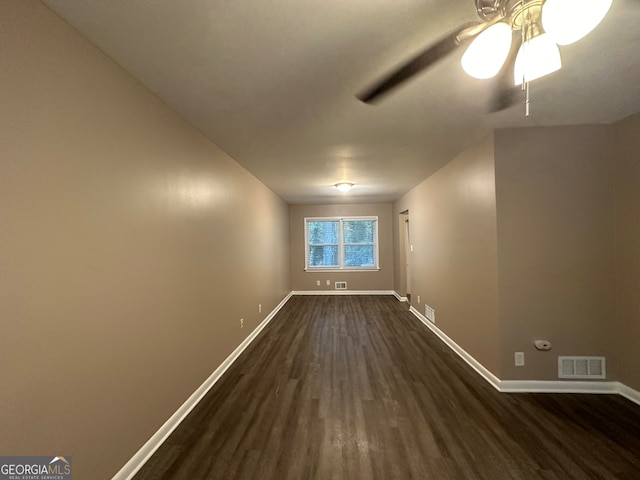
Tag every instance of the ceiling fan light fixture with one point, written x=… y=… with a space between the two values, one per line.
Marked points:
x=567 y=21
x=344 y=187
x=487 y=53
x=536 y=58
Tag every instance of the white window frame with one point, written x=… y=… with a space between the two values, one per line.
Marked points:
x=341 y=267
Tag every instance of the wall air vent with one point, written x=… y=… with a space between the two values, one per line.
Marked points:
x=581 y=367
x=430 y=313
x=341 y=285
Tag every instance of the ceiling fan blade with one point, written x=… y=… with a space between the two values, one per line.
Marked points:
x=505 y=93
x=420 y=62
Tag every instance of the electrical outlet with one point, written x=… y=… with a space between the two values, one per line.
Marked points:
x=259 y=308
x=242 y=323
x=317 y=283
x=328 y=282
x=519 y=359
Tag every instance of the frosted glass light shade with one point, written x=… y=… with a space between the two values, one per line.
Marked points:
x=536 y=58
x=488 y=51
x=567 y=21
x=344 y=186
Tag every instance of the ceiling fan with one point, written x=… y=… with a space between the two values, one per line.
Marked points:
x=516 y=40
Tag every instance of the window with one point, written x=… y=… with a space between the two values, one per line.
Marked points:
x=341 y=243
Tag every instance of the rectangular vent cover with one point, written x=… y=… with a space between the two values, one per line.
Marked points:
x=341 y=285
x=581 y=367
x=430 y=313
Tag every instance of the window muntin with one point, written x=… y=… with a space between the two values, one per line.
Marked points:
x=341 y=243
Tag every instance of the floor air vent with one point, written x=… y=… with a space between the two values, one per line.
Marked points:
x=341 y=285
x=581 y=367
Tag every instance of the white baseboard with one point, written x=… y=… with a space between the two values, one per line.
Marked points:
x=563 y=386
x=558 y=386
x=531 y=386
x=400 y=297
x=473 y=363
x=629 y=393
x=343 y=292
x=142 y=456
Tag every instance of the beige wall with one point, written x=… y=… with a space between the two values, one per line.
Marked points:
x=627 y=181
x=555 y=246
x=130 y=247
x=566 y=209
x=307 y=281
x=452 y=217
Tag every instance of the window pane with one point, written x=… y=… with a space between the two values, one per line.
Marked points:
x=358 y=231
x=358 y=256
x=322 y=232
x=323 y=256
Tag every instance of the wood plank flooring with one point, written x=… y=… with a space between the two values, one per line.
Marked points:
x=355 y=387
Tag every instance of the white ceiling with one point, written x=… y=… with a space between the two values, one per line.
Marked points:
x=272 y=82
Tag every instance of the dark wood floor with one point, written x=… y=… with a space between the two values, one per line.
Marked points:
x=355 y=387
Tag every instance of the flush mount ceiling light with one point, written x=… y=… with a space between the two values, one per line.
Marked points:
x=344 y=186
x=494 y=45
